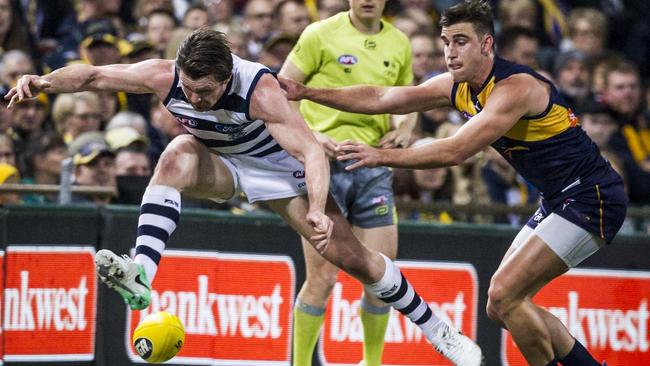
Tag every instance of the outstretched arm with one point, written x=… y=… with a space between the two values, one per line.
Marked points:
x=371 y=99
x=291 y=132
x=151 y=76
x=500 y=114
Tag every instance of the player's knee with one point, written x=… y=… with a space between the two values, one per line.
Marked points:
x=356 y=267
x=492 y=312
x=178 y=160
x=499 y=301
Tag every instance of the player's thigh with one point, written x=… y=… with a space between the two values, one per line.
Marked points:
x=215 y=178
x=381 y=238
x=525 y=271
x=517 y=242
x=209 y=175
x=343 y=248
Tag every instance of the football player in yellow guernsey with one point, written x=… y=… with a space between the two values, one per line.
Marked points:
x=350 y=48
x=521 y=115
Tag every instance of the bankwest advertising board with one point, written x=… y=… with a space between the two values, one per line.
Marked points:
x=236 y=308
x=49 y=303
x=450 y=289
x=606 y=310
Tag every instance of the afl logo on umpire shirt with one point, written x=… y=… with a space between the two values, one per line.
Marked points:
x=347 y=60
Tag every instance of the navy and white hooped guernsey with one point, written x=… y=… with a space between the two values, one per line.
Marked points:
x=227 y=128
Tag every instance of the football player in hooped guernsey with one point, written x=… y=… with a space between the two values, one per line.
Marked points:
x=244 y=136
x=520 y=114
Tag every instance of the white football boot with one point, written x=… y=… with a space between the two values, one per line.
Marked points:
x=457 y=347
x=125 y=277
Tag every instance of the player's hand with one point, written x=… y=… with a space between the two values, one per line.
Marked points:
x=28 y=86
x=395 y=139
x=328 y=145
x=353 y=150
x=323 y=226
x=292 y=89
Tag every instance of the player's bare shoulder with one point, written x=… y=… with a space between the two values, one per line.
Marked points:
x=266 y=98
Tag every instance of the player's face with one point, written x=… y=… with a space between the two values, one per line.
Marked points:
x=202 y=93
x=367 y=9
x=464 y=51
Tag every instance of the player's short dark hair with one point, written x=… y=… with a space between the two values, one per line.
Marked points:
x=205 y=52
x=477 y=12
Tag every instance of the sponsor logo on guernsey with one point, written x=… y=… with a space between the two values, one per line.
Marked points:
x=299 y=174
x=186 y=121
x=347 y=60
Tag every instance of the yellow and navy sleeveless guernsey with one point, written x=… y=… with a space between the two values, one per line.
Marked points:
x=553 y=153
x=332 y=53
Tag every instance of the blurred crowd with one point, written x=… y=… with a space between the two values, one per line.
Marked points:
x=595 y=51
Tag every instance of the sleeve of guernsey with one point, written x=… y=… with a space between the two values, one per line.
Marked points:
x=406 y=71
x=307 y=51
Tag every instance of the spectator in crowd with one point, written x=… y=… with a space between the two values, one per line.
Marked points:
x=291 y=18
x=600 y=65
x=327 y=8
x=587 y=31
x=258 y=24
x=144 y=8
x=164 y=121
x=41 y=164
x=160 y=27
x=572 y=78
x=14 y=32
x=407 y=25
x=100 y=47
x=222 y=17
x=7 y=150
x=196 y=16
x=9 y=175
x=128 y=119
x=76 y=113
x=622 y=94
x=14 y=64
x=519 y=45
x=423 y=48
x=503 y=185
x=126 y=137
x=132 y=162
x=94 y=165
x=275 y=51
x=28 y=117
x=433 y=185
x=238 y=44
x=141 y=49
x=599 y=123
x=518 y=13
x=5 y=113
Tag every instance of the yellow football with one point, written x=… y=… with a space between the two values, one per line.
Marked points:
x=159 y=337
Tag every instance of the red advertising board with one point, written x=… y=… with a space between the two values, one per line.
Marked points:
x=236 y=308
x=49 y=303
x=606 y=310
x=451 y=289
x=2 y=282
